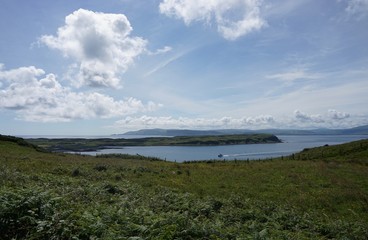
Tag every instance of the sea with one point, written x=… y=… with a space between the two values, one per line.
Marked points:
x=290 y=144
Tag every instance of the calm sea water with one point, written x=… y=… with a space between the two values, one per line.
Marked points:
x=290 y=144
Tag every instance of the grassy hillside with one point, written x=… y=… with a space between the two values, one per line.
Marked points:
x=320 y=193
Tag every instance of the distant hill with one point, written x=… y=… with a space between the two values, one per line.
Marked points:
x=172 y=132
x=361 y=130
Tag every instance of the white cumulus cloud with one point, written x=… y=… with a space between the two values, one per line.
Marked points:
x=298 y=120
x=234 y=18
x=304 y=117
x=330 y=119
x=336 y=115
x=195 y=123
x=36 y=96
x=101 y=45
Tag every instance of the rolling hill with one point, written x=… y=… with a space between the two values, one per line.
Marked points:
x=361 y=130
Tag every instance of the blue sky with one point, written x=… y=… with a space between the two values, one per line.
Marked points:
x=92 y=67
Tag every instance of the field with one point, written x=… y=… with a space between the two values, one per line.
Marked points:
x=319 y=193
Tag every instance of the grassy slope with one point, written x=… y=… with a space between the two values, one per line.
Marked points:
x=320 y=193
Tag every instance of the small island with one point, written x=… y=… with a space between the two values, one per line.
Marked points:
x=82 y=144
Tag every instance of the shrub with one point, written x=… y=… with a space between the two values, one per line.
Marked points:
x=76 y=172
x=100 y=168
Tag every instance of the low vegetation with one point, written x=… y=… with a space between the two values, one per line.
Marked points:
x=82 y=144
x=319 y=193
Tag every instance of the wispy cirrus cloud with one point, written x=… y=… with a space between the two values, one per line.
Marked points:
x=163 y=64
x=357 y=8
x=293 y=75
x=163 y=50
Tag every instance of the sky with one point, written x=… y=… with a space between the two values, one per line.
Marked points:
x=92 y=67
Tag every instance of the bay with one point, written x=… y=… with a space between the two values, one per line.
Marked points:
x=290 y=144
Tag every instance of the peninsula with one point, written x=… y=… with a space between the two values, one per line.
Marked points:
x=82 y=144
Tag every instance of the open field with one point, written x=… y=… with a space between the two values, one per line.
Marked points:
x=319 y=193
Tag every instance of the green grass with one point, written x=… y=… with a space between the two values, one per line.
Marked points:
x=320 y=193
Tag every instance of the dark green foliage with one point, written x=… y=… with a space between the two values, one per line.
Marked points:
x=112 y=189
x=158 y=214
x=76 y=172
x=25 y=211
x=100 y=168
x=128 y=156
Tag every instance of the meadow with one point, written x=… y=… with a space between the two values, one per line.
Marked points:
x=319 y=193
